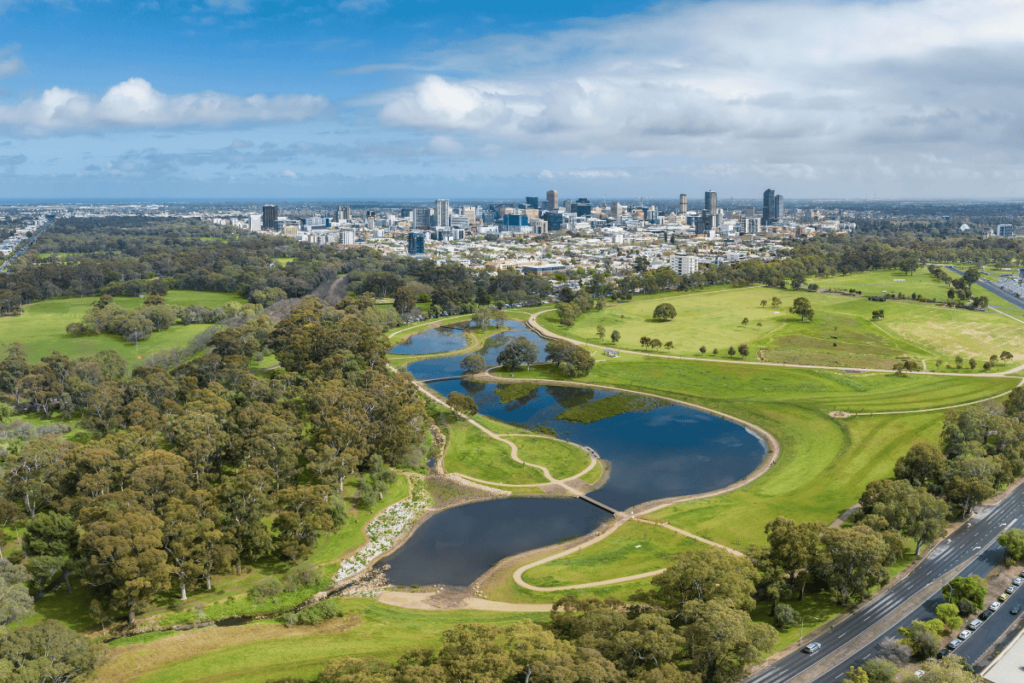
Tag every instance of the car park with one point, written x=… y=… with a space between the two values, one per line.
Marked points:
x=953 y=644
x=964 y=635
x=975 y=624
x=812 y=648
x=986 y=614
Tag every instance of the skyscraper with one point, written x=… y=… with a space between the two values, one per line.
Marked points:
x=269 y=216
x=780 y=209
x=711 y=203
x=768 y=214
x=552 y=200
x=421 y=218
x=441 y=213
x=533 y=202
x=682 y=205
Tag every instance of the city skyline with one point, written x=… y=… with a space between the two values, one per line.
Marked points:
x=250 y=99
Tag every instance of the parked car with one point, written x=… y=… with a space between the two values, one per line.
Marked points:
x=812 y=648
x=942 y=653
x=986 y=614
x=953 y=644
x=995 y=605
x=1015 y=609
x=1004 y=597
x=1018 y=581
x=1010 y=590
x=965 y=634
x=975 y=624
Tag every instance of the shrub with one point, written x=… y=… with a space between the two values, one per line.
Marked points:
x=785 y=616
x=264 y=590
x=304 y=575
x=315 y=614
x=880 y=670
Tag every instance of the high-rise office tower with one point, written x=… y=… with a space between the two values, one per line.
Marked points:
x=682 y=205
x=441 y=213
x=552 y=200
x=711 y=203
x=533 y=202
x=269 y=216
x=780 y=209
x=768 y=214
x=582 y=206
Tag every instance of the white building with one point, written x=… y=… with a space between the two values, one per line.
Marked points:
x=347 y=237
x=683 y=264
x=255 y=222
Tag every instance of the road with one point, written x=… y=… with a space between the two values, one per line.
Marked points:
x=992 y=289
x=976 y=538
x=22 y=248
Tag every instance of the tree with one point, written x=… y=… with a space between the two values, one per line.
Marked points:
x=856 y=675
x=951 y=669
x=797 y=281
x=745 y=322
x=852 y=561
x=51 y=540
x=922 y=638
x=776 y=302
x=764 y=303
x=47 y=652
x=923 y=465
x=405 y=299
x=615 y=337
x=703 y=349
x=473 y=363
x=703 y=574
x=374 y=483
x=907 y=509
x=655 y=344
x=724 y=640
x=971 y=588
x=732 y=351
x=462 y=404
x=880 y=670
x=572 y=360
x=518 y=351
x=1012 y=541
x=973 y=363
x=567 y=313
x=641 y=264
x=968 y=481
x=949 y=613
x=305 y=512
x=15 y=600
x=793 y=546
x=744 y=350
x=802 y=307
x=124 y=558
x=600 y=332
x=663 y=312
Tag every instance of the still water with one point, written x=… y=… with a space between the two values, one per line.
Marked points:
x=662 y=451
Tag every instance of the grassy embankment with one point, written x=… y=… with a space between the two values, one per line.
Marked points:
x=475 y=454
x=267 y=651
x=41 y=329
x=842 y=333
x=562 y=459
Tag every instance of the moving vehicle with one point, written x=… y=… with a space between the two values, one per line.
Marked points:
x=812 y=648
x=1015 y=609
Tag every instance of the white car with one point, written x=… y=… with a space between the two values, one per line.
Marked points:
x=1018 y=581
x=964 y=635
x=995 y=605
x=954 y=644
x=1010 y=589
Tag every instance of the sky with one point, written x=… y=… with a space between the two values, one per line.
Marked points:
x=405 y=99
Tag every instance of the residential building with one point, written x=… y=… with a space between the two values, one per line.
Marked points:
x=417 y=242
x=421 y=218
x=683 y=264
x=441 y=213
x=682 y=205
x=347 y=237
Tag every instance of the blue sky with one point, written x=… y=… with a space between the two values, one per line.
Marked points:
x=408 y=98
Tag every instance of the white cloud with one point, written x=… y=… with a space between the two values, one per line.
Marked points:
x=10 y=63
x=362 y=5
x=800 y=88
x=136 y=104
x=289 y=174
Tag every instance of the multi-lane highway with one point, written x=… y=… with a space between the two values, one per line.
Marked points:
x=992 y=289
x=976 y=538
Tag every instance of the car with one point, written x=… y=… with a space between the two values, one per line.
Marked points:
x=1015 y=609
x=986 y=614
x=995 y=605
x=964 y=635
x=812 y=648
x=1010 y=590
x=1018 y=581
x=975 y=624
x=1004 y=597
x=942 y=653
x=953 y=644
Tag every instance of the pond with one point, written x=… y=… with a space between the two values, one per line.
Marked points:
x=656 y=449
x=444 y=339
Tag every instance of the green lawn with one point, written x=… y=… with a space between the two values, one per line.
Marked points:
x=842 y=332
x=41 y=329
x=332 y=548
x=879 y=282
x=634 y=548
x=271 y=651
x=473 y=453
x=562 y=459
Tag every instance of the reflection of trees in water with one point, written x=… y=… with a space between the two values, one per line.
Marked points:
x=570 y=397
x=472 y=388
x=496 y=341
x=522 y=400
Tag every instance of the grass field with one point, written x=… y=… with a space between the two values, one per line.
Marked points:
x=879 y=282
x=634 y=548
x=842 y=333
x=562 y=459
x=267 y=651
x=473 y=453
x=41 y=329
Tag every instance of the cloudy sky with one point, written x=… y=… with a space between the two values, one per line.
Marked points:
x=423 y=98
